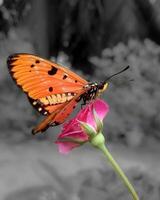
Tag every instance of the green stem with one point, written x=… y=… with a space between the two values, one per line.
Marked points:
x=119 y=171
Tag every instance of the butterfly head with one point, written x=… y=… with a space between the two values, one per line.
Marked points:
x=102 y=87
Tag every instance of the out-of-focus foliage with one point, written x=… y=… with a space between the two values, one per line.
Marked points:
x=76 y=28
x=11 y=12
x=16 y=118
x=84 y=28
x=134 y=104
x=16 y=41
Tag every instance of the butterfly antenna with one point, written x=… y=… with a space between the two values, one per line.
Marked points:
x=108 y=78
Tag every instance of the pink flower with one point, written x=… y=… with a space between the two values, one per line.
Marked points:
x=73 y=135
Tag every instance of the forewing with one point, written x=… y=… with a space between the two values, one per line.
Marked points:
x=42 y=80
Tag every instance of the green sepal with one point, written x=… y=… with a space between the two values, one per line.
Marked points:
x=89 y=130
x=99 y=123
x=98 y=140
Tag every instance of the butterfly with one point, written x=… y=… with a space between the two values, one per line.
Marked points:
x=53 y=90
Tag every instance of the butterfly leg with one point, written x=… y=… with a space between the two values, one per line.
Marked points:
x=84 y=102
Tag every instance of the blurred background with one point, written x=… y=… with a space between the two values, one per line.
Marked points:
x=94 y=38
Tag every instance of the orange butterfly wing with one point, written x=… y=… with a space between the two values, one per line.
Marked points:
x=40 y=78
x=49 y=86
x=57 y=117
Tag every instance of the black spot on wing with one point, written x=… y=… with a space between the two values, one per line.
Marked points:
x=53 y=71
x=50 y=89
x=65 y=76
x=37 y=61
x=32 y=65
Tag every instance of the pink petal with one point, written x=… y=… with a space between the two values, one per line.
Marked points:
x=101 y=108
x=77 y=135
x=72 y=125
x=82 y=115
x=73 y=130
x=86 y=114
x=65 y=146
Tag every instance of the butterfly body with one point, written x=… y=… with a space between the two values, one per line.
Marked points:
x=52 y=89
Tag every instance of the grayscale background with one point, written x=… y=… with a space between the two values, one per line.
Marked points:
x=95 y=38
